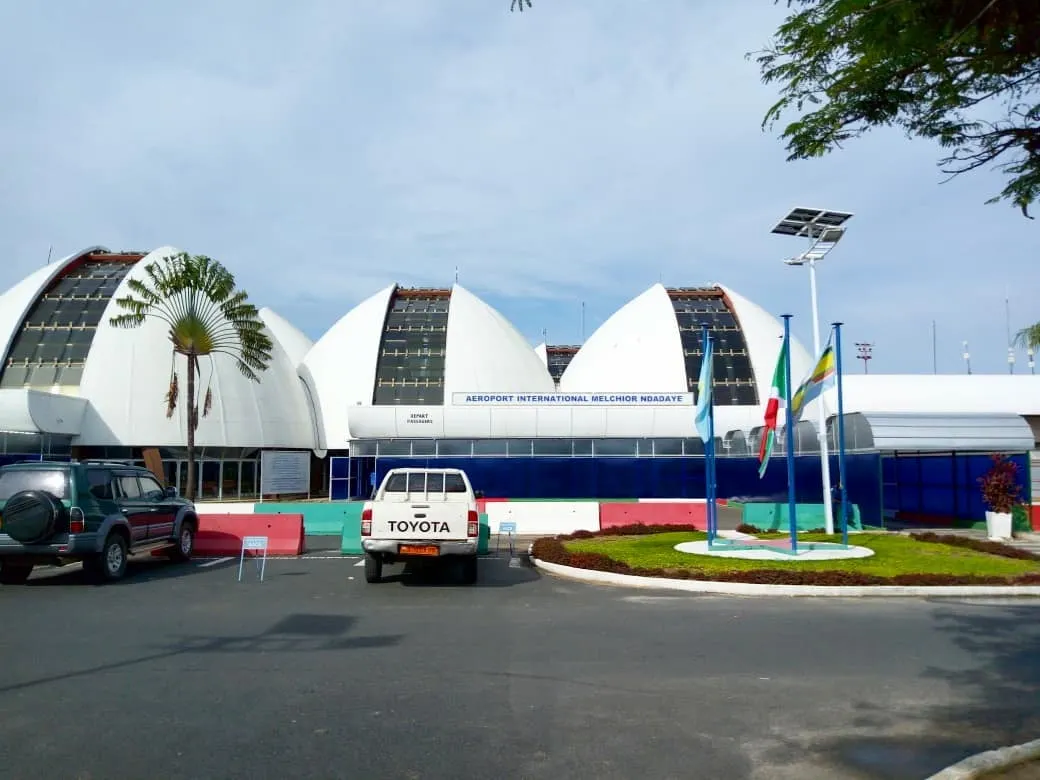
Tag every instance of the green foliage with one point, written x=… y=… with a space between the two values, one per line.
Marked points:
x=1000 y=488
x=894 y=555
x=964 y=73
x=1029 y=337
x=197 y=298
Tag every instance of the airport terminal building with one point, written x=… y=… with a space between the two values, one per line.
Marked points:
x=439 y=375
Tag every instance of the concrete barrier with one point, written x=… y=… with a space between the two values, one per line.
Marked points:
x=544 y=517
x=612 y=515
x=225 y=507
x=1035 y=516
x=320 y=518
x=350 y=541
x=221 y=535
x=774 y=517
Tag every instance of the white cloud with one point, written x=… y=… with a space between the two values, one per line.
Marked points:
x=580 y=151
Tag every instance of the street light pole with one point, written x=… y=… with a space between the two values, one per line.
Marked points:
x=824 y=229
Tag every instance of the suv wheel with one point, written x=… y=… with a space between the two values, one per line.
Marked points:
x=110 y=565
x=185 y=544
x=14 y=573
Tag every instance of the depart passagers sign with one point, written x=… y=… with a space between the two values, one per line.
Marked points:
x=572 y=399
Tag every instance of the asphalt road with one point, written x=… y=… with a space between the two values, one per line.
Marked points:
x=182 y=672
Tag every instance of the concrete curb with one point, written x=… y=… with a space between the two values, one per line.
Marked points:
x=755 y=589
x=981 y=764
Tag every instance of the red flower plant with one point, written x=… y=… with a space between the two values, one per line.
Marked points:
x=1000 y=488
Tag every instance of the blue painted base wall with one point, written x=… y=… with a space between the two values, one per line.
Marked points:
x=628 y=478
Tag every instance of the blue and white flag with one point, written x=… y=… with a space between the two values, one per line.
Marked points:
x=704 y=387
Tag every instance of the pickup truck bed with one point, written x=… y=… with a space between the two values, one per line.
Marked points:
x=425 y=515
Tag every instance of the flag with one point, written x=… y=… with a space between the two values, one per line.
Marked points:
x=704 y=386
x=776 y=392
x=822 y=377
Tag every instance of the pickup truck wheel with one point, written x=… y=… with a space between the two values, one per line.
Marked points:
x=373 y=568
x=469 y=570
x=185 y=544
x=110 y=565
x=14 y=573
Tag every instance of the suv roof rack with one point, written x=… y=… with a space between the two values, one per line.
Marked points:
x=104 y=462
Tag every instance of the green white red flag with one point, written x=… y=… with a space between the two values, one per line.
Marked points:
x=777 y=392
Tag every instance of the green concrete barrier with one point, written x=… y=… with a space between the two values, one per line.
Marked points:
x=319 y=518
x=350 y=543
x=775 y=517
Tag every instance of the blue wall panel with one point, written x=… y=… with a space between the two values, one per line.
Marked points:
x=678 y=477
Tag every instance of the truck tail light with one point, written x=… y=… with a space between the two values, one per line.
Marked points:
x=473 y=523
x=77 y=521
x=366 y=522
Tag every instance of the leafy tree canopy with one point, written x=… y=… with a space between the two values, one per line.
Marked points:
x=965 y=73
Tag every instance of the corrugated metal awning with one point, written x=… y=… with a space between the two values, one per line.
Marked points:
x=889 y=432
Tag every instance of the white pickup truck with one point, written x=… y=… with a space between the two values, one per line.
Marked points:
x=421 y=514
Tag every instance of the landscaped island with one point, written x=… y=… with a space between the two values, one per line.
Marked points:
x=899 y=559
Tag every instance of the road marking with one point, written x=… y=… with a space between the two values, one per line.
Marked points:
x=360 y=563
x=215 y=562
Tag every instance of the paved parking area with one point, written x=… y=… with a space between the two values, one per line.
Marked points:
x=183 y=672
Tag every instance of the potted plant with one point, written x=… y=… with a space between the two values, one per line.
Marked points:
x=1000 y=492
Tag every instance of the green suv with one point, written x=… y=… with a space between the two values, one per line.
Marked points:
x=91 y=511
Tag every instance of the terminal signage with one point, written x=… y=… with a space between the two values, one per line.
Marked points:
x=572 y=399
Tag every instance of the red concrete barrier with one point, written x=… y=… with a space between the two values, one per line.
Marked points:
x=222 y=534
x=655 y=513
x=1035 y=516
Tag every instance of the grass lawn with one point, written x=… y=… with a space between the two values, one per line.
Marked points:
x=894 y=554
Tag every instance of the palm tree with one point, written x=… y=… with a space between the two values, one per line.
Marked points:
x=520 y=3
x=1029 y=338
x=207 y=316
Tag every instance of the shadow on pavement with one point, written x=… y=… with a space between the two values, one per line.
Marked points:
x=999 y=693
x=492 y=573
x=299 y=633
x=142 y=569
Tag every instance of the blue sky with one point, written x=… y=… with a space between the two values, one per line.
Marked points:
x=581 y=151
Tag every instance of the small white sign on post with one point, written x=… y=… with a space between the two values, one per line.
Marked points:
x=257 y=545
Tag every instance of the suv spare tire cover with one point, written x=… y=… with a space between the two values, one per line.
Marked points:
x=32 y=515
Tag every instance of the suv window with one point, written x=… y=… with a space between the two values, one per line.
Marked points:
x=128 y=486
x=16 y=480
x=150 y=487
x=100 y=484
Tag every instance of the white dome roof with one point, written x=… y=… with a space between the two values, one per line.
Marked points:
x=763 y=333
x=542 y=353
x=127 y=373
x=484 y=353
x=639 y=348
x=292 y=340
x=636 y=350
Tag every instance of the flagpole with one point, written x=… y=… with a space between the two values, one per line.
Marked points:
x=841 y=440
x=789 y=437
x=713 y=512
x=709 y=443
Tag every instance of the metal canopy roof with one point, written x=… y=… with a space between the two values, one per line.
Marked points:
x=933 y=432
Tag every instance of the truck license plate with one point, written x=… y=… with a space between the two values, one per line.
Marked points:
x=419 y=549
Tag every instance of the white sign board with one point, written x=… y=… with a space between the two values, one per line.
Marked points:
x=285 y=471
x=572 y=399
x=257 y=544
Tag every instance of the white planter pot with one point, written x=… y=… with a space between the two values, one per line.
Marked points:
x=998 y=525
